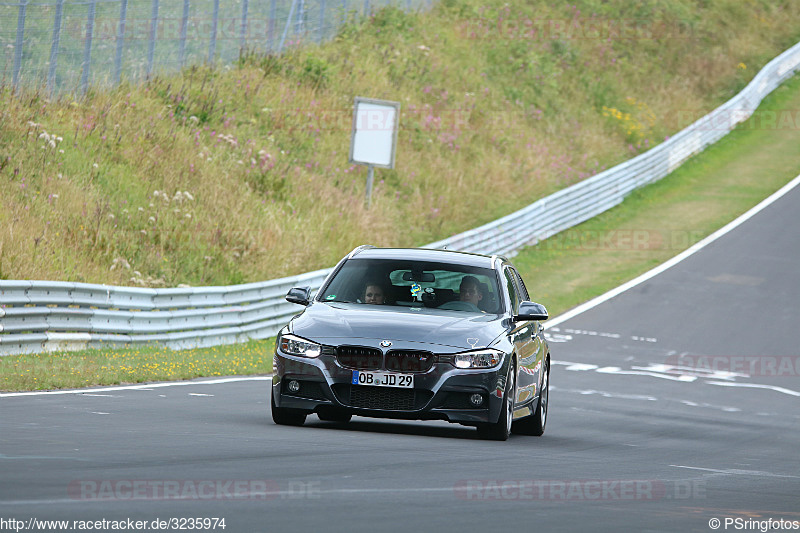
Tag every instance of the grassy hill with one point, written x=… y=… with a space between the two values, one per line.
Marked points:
x=240 y=173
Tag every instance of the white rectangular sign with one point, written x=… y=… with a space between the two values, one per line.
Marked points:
x=374 y=134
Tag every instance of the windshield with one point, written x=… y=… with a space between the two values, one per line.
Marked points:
x=406 y=283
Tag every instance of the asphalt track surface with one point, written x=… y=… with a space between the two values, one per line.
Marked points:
x=673 y=403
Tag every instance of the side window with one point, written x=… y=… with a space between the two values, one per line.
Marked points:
x=523 y=292
x=512 y=290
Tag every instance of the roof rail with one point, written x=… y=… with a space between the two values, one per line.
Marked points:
x=358 y=249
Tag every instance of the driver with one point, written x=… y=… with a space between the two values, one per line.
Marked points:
x=470 y=290
x=374 y=293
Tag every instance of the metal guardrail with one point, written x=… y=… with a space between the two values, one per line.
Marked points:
x=49 y=315
x=38 y=316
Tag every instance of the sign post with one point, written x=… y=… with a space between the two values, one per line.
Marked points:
x=374 y=136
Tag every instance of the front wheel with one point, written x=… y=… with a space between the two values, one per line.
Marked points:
x=501 y=429
x=286 y=417
x=534 y=425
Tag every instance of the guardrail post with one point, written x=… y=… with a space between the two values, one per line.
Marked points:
x=23 y=5
x=123 y=16
x=184 y=25
x=271 y=28
x=299 y=27
x=321 y=21
x=243 y=39
x=286 y=27
x=51 y=75
x=151 y=46
x=212 y=45
x=87 y=49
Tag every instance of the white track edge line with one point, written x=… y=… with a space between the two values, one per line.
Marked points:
x=142 y=386
x=582 y=308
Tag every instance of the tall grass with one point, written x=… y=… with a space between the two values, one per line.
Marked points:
x=240 y=173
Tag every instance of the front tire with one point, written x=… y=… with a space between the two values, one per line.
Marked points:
x=534 y=425
x=501 y=429
x=286 y=417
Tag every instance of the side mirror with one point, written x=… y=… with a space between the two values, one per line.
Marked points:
x=299 y=295
x=531 y=311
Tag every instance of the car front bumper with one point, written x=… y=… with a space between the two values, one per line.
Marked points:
x=441 y=393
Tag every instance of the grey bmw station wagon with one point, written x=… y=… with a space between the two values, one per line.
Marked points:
x=416 y=334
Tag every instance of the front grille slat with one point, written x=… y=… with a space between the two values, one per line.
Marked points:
x=359 y=357
x=409 y=361
x=382 y=398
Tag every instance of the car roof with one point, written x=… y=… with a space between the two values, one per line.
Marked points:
x=424 y=254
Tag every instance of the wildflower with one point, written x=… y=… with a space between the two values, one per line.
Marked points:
x=120 y=262
x=52 y=143
x=188 y=195
x=95 y=165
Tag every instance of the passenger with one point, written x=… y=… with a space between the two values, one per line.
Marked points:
x=470 y=290
x=374 y=293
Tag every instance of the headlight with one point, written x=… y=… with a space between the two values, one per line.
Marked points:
x=486 y=358
x=296 y=346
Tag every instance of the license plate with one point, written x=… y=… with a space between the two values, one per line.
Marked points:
x=383 y=379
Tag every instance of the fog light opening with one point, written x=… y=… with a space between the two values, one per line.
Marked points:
x=476 y=400
x=293 y=386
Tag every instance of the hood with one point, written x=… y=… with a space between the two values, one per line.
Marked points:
x=343 y=323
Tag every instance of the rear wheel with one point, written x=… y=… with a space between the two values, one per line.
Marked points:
x=502 y=428
x=534 y=425
x=286 y=417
